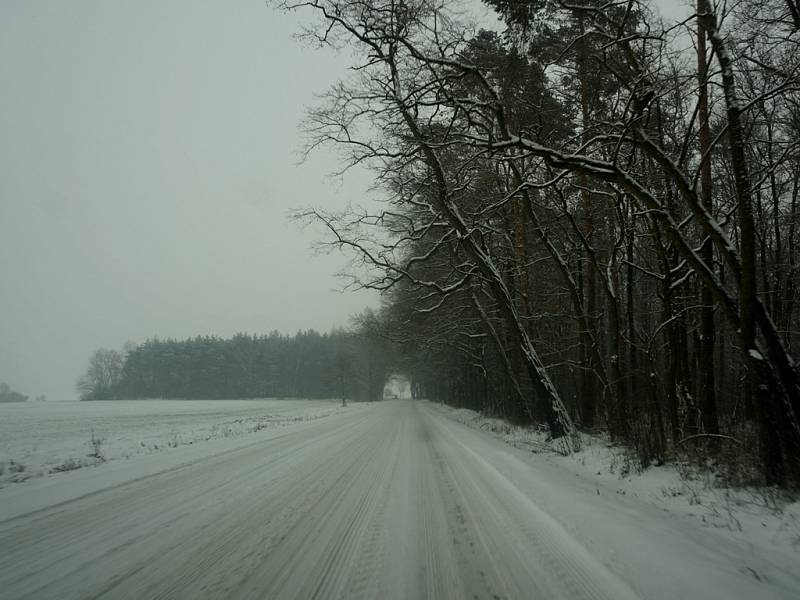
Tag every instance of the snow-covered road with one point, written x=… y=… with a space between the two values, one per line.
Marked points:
x=396 y=501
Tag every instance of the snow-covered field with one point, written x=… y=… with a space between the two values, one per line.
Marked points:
x=398 y=499
x=38 y=438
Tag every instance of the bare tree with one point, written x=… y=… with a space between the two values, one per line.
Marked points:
x=493 y=221
x=103 y=373
x=397 y=94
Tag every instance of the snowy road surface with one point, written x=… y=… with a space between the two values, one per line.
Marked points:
x=395 y=501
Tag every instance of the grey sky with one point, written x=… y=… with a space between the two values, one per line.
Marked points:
x=147 y=164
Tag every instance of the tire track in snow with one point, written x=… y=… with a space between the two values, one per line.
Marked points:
x=253 y=535
x=393 y=502
x=62 y=545
x=524 y=551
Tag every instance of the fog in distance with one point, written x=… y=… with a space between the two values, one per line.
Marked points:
x=148 y=160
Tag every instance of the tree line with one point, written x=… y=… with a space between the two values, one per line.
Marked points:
x=340 y=364
x=587 y=221
x=9 y=395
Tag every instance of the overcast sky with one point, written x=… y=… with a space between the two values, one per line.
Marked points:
x=148 y=161
x=147 y=165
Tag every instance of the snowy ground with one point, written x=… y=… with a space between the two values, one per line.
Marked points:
x=757 y=516
x=393 y=500
x=37 y=438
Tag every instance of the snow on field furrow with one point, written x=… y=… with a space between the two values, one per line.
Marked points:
x=57 y=437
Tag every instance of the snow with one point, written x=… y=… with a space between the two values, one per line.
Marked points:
x=392 y=500
x=761 y=528
x=41 y=438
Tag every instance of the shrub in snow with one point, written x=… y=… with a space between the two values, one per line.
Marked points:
x=68 y=465
x=96 y=444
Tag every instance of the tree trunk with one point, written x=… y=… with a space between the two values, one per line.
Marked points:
x=776 y=410
x=707 y=397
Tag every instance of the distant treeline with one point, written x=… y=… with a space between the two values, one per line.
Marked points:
x=9 y=395
x=309 y=364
